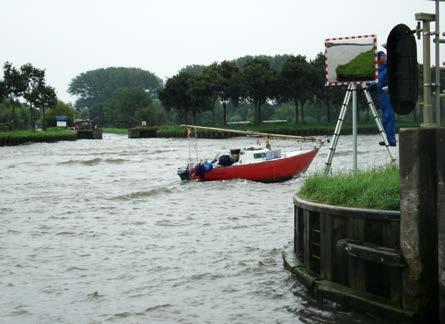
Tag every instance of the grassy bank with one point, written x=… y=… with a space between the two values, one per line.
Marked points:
x=50 y=135
x=112 y=130
x=375 y=189
x=279 y=128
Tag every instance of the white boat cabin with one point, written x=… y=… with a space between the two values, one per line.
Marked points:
x=251 y=154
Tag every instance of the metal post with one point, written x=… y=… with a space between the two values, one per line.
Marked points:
x=354 y=127
x=427 y=107
x=437 y=40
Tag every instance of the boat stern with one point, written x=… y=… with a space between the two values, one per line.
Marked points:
x=183 y=173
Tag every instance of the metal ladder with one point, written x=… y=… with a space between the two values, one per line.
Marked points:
x=341 y=117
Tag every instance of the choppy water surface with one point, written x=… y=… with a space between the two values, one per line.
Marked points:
x=94 y=231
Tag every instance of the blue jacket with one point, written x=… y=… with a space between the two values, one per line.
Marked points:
x=382 y=82
x=388 y=118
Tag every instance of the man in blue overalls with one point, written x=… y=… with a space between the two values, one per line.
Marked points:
x=388 y=118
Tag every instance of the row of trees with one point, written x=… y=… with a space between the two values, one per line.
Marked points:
x=253 y=80
x=116 y=95
x=26 y=83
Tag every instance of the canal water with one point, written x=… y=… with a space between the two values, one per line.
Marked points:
x=104 y=231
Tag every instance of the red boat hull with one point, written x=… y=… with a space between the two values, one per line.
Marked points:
x=267 y=171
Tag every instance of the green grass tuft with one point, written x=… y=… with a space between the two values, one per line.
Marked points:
x=375 y=189
x=359 y=68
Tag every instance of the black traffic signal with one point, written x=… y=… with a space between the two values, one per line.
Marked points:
x=403 y=80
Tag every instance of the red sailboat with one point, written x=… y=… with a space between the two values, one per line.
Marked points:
x=255 y=163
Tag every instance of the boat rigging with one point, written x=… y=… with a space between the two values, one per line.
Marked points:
x=255 y=163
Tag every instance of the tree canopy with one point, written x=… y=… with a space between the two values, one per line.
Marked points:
x=297 y=76
x=26 y=83
x=125 y=102
x=228 y=85
x=258 y=84
x=95 y=87
x=176 y=94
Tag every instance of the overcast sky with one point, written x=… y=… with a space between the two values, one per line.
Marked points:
x=67 y=37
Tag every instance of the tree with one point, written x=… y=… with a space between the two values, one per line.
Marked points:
x=97 y=86
x=82 y=113
x=197 y=87
x=33 y=77
x=124 y=103
x=45 y=98
x=3 y=90
x=202 y=92
x=259 y=84
x=228 y=85
x=176 y=94
x=194 y=69
x=296 y=76
x=15 y=85
x=153 y=114
x=60 y=109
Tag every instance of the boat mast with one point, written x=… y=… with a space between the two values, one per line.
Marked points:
x=319 y=140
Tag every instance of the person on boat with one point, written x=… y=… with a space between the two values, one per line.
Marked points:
x=268 y=146
x=208 y=166
x=388 y=120
x=200 y=170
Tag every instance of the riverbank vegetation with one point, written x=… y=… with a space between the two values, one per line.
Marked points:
x=275 y=128
x=26 y=87
x=24 y=136
x=114 y=130
x=376 y=189
x=249 y=89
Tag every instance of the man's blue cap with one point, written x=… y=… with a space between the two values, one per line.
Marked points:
x=380 y=53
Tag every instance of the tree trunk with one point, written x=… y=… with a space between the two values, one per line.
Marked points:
x=260 y=119
x=255 y=113
x=44 y=119
x=296 y=111
x=224 y=113
x=328 y=113
x=32 y=118
x=13 y=118
x=302 y=113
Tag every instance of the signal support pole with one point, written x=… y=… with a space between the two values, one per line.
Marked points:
x=437 y=69
x=426 y=18
x=354 y=127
